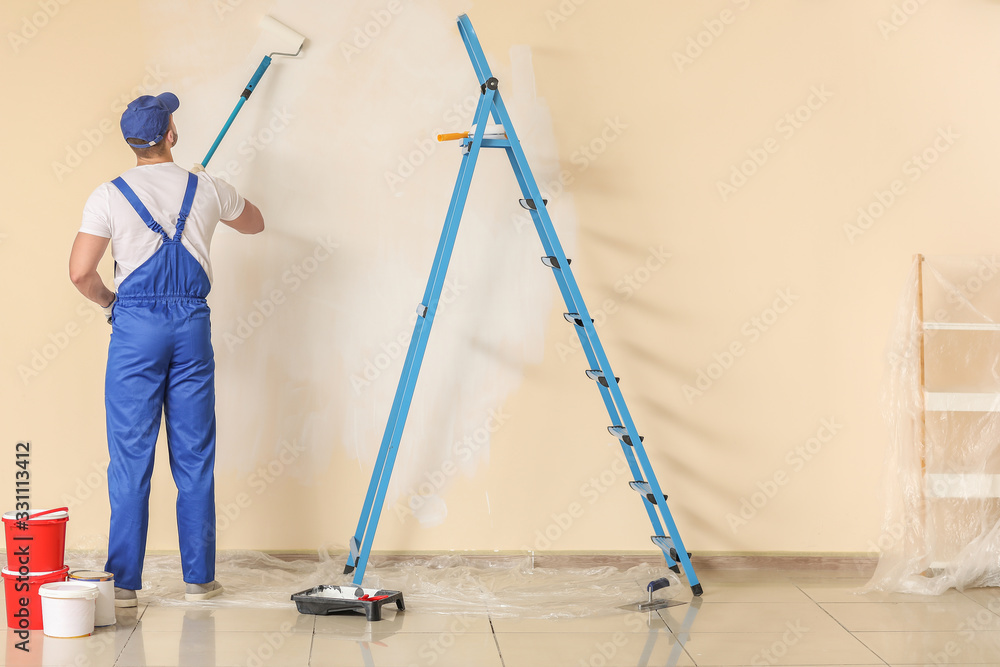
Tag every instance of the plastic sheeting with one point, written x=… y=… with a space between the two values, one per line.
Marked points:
x=941 y=401
x=504 y=586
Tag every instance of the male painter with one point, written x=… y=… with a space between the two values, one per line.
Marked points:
x=159 y=219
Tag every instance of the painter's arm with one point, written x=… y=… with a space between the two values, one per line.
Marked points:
x=83 y=260
x=250 y=221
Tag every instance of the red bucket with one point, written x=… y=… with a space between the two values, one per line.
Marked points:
x=38 y=542
x=24 y=607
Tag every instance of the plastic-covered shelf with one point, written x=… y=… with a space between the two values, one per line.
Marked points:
x=962 y=326
x=958 y=485
x=951 y=401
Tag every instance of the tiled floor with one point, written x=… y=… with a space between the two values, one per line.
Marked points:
x=746 y=617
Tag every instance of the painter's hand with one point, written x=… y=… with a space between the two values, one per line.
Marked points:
x=108 y=309
x=195 y=169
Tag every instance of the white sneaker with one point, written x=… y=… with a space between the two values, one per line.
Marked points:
x=196 y=592
x=125 y=598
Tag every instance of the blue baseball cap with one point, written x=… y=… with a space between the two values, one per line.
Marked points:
x=147 y=118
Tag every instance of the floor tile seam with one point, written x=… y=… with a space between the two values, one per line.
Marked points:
x=131 y=633
x=664 y=621
x=376 y=636
x=933 y=603
x=877 y=657
x=772 y=631
x=835 y=628
x=807 y=601
x=835 y=620
x=935 y=632
x=683 y=639
x=986 y=607
x=801 y=590
x=778 y=632
x=198 y=631
x=664 y=631
x=872 y=650
x=496 y=642
x=926 y=631
x=229 y=632
x=312 y=643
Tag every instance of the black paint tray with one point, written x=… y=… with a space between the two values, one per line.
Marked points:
x=323 y=600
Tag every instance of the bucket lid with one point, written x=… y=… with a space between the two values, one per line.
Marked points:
x=69 y=589
x=91 y=575
x=12 y=515
x=14 y=573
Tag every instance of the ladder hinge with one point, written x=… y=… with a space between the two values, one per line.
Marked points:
x=663 y=542
x=492 y=83
x=553 y=263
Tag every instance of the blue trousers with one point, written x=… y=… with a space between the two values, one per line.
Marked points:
x=161 y=361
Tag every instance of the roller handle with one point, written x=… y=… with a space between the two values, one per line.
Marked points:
x=254 y=80
x=491 y=133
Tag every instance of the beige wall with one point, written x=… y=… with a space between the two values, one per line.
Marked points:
x=668 y=132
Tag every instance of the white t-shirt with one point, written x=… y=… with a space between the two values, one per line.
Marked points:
x=160 y=187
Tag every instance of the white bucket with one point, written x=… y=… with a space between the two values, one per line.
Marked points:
x=68 y=608
x=104 y=612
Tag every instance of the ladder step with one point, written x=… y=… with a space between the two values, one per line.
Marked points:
x=529 y=204
x=575 y=318
x=600 y=377
x=643 y=488
x=667 y=545
x=621 y=433
x=663 y=542
x=553 y=263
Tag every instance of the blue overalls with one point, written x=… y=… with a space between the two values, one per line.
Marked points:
x=160 y=361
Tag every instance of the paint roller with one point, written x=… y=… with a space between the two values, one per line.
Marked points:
x=492 y=131
x=287 y=43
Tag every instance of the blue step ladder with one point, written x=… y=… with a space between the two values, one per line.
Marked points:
x=666 y=535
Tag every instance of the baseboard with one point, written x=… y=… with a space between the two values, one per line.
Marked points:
x=861 y=563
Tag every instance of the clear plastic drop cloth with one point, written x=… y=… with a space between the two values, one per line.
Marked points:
x=504 y=586
x=941 y=402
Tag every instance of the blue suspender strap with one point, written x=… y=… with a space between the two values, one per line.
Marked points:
x=192 y=186
x=124 y=188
